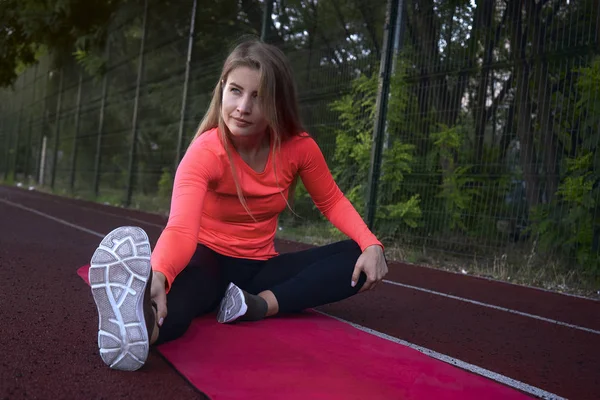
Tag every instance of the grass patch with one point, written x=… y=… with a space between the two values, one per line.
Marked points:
x=518 y=264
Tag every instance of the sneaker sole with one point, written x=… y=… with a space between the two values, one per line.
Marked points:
x=232 y=306
x=119 y=272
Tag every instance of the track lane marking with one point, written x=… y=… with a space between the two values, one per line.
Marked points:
x=32 y=196
x=61 y=221
x=481 y=304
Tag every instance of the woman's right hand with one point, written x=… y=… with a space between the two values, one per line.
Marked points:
x=159 y=295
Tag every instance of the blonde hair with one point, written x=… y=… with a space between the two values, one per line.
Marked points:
x=276 y=96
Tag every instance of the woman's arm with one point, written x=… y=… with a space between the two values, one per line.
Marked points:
x=179 y=240
x=328 y=197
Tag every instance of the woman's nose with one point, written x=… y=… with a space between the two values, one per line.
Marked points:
x=245 y=105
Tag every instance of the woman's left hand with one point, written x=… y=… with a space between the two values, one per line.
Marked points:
x=372 y=262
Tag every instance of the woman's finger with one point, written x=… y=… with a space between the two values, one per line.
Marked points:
x=161 y=308
x=370 y=280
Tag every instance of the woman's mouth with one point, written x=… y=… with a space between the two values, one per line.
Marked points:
x=241 y=122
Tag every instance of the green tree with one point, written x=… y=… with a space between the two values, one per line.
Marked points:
x=31 y=27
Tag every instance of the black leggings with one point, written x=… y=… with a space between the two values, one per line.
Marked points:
x=299 y=280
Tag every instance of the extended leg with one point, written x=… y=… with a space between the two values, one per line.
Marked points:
x=197 y=290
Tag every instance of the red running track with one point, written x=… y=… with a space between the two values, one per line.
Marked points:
x=548 y=343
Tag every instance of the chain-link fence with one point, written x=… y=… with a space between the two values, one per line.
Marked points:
x=465 y=132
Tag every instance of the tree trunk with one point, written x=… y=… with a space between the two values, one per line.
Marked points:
x=255 y=12
x=480 y=108
x=548 y=140
x=507 y=136
x=311 y=39
x=527 y=152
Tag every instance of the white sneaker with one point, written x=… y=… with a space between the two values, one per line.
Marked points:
x=120 y=274
x=233 y=305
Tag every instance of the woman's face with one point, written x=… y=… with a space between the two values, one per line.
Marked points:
x=241 y=109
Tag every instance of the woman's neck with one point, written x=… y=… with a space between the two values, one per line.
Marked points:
x=250 y=146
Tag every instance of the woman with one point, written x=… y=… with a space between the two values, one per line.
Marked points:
x=218 y=245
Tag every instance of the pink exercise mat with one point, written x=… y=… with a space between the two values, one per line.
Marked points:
x=312 y=356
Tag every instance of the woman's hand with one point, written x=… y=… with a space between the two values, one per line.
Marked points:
x=159 y=295
x=372 y=262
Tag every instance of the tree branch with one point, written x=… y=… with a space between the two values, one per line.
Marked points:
x=555 y=11
x=499 y=28
x=340 y=16
x=370 y=29
x=255 y=15
x=496 y=102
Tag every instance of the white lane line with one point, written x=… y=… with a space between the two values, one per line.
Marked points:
x=442 y=357
x=32 y=195
x=457 y=363
x=61 y=221
x=116 y=215
x=508 y=310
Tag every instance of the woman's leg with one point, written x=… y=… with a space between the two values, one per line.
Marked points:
x=119 y=277
x=292 y=282
x=309 y=278
x=239 y=272
x=197 y=290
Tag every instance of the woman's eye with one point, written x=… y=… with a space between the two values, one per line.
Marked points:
x=234 y=90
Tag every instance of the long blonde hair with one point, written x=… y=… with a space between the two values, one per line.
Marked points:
x=277 y=97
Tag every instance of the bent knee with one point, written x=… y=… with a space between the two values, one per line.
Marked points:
x=351 y=247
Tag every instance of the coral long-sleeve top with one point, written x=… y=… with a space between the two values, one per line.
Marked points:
x=205 y=207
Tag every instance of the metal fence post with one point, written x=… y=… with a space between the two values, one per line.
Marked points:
x=77 y=119
x=381 y=109
x=16 y=147
x=132 y=153
x=98 y=157
x=28 y=151
x=18 y=129
x=57 y=128
x=6 y=129
x=266 y=22
x=185 y=85
x=2 y=125
x=38 y=161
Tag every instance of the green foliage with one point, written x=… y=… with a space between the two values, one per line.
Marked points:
x=567 y=226
x=458 y=189
x=588 y=104
x=353 y=154
x=91 y=63
x=165 y=184
x=409 y=212
x=59 y=26
x=446 y=144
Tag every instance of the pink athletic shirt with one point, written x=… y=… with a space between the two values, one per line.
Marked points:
x=205 y=207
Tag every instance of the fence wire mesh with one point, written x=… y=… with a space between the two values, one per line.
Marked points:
x=490 y=136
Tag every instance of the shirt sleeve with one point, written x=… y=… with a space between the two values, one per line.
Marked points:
x=328 y=197
x=177 y=243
